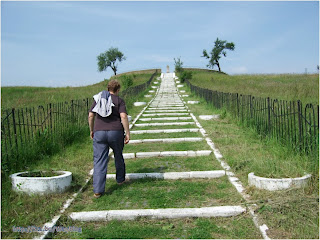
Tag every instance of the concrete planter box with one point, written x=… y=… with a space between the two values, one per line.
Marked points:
x=274 y=184
x=41 y=185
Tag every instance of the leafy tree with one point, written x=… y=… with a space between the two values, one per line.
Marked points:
x=178 y=65
x=219 y=48
x=109 y=58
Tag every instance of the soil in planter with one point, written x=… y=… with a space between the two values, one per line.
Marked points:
x=40 y=174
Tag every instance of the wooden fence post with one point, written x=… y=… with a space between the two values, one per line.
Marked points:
x=15 y=136
x=269 y=115
x=300 y=124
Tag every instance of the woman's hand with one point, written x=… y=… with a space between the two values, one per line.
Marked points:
x=126 y=139
x=91 y=134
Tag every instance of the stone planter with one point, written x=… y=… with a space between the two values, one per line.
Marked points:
x=41 y=185
x=274 y=184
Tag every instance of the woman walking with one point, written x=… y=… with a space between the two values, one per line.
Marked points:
x=109 y=127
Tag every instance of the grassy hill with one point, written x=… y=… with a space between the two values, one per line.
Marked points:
x=303 y=87
x=19 y=97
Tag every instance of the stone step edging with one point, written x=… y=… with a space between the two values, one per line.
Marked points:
x=173 y=175
x=164 y=119
x=165 y=131
x=164 y=114
x=167 y=140
x=163 y=124
x=189 y=153
x=164 y=213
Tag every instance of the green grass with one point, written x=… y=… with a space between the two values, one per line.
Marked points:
x=289 y=214
x=246 y=152
x=240 y=227
x=24 y=210
x=49 y=142
x=169 y=164
x=153 y=194
x=303 y=87
x=157 y=147
x=19 y=97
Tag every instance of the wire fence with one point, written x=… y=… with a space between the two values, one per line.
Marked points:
x=29 y=133
x=290 y=122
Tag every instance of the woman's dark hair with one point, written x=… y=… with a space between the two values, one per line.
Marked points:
x=113 y=86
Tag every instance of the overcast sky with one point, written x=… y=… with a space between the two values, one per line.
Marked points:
x=56 y=43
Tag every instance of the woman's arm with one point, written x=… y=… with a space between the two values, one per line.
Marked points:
x=125 y=124
x=91 y=123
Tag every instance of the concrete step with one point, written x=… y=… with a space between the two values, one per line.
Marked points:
x=163 y=124
x=173 y=175
x=165 y=108
x=162 y=213
x=164 y=114
x=167 y=140
x=172 y=110
x=166 y=131
x=164 y=119
x=189 y=153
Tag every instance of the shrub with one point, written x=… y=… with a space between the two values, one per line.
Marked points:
x=185 y=75
x=126 y=81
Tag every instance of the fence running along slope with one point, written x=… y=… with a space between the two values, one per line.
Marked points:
x=290 y=122
x=29 y=133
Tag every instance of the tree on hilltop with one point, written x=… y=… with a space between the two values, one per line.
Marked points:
x=178 y=65
x=109 y=58
x=219 y=48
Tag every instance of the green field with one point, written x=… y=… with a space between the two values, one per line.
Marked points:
x=19 y=97
x=303 y=87
x=289 y=214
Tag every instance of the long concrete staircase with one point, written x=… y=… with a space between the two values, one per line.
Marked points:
x=166 y=109
x=167 y=114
